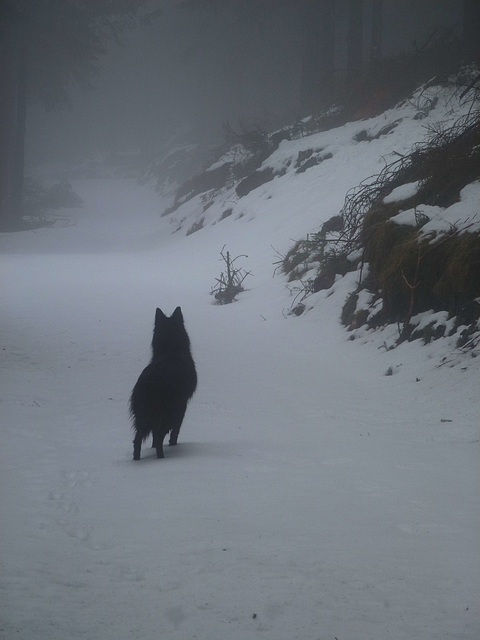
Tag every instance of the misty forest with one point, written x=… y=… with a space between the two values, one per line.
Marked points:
x=298 y=182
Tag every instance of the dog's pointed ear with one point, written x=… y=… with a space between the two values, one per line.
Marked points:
x=177 y=315
x=159 y=315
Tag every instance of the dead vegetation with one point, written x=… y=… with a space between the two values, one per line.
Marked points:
x=407 y=272
x=230 y=282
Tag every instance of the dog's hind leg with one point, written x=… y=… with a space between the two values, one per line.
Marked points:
x=142 y=430
x=137 y=445
x=176 y=420
x=158 y=437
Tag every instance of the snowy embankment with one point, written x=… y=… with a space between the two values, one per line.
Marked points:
x=311 y=496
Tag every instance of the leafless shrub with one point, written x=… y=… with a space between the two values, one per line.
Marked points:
x=230 y=282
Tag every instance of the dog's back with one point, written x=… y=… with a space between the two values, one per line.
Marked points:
x=160 y=396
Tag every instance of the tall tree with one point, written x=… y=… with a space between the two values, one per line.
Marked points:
x=376 y=34
x=471 y=28
x=44 y=46
x=318 y=55
x=355 y=42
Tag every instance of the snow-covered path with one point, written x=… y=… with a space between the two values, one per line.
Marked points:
x=310 y=497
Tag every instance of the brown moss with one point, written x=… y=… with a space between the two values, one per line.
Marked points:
x=416 y=276
x=460 y=278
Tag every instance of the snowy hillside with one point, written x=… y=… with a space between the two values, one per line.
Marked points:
x=315 y=171
x=307 y=176
x=311 y=496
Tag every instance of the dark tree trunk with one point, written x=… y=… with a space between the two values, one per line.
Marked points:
x=13 y=114
x=7 y=130
x=318 y=55
x=355 y=42
x=471 y=29
x=376 y=35
x=18 y=176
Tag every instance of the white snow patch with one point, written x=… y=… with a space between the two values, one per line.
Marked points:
x=403 y=192
x=463 y=215
x=410 y=217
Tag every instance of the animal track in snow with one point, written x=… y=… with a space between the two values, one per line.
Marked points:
x=66 y=506
x=76 y=478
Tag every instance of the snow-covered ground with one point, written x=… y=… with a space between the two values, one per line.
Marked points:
x=311 y=496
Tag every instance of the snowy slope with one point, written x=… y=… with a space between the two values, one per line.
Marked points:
x=349 y=155
x=310 y=497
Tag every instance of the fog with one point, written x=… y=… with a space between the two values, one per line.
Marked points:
x=201 y=64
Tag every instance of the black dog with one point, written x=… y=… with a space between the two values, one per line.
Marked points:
x=159 y=399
